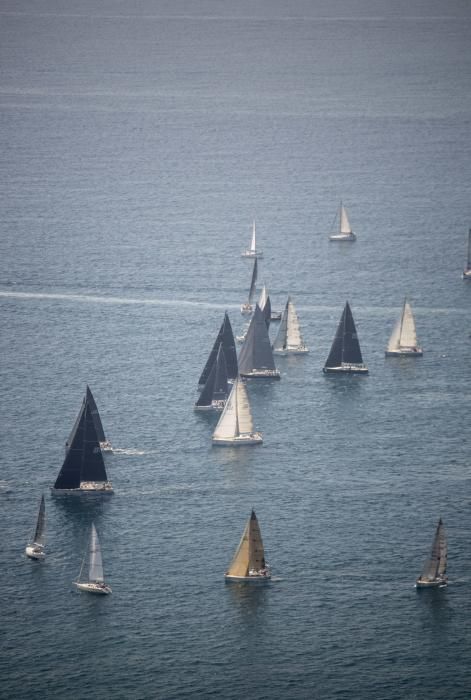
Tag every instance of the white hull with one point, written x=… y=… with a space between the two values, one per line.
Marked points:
x=92 y=587
x=106 y=446
x=252 y=254
x=466 y=274
x=437 y=583
x=346 y=369
x=262 y=374
x=88 y=487
x=301 y=350
x=408 y=352
x=342 y=237
x=34 y=552
x=253 y=439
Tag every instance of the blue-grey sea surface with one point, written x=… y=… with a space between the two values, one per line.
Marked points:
x=139 y=140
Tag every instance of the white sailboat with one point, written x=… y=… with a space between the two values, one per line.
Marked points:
x=252 y=252
x=344 y=232
x=248 y=564
x=35 y=548
x=235 y=426
x=403 y=340
x=467 y=269
x=95 y=582
x=288 y=340
x=434 y=572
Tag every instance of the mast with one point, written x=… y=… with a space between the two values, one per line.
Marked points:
x=40 y=532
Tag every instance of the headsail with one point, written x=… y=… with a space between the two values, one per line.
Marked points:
x=253 y=282
x=250 y=555
x=256 y=353
x=226 y=337
x=40 y=532
x=344 y=222
x=228 y=423
x=216 y=387
x=253 y=246
x=435 y=565
x=95 y=566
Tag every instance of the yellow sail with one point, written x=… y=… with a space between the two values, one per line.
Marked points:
x=249 y=555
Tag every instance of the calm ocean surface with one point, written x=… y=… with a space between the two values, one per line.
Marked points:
x=139 y=139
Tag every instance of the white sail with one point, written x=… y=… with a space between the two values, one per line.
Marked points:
x=263 y=298
x=393 y=345
x=281 y=339
x=244 y=414
x=443 y=549
x=228 y=426
x=294 y=338
x=95 y=566
x=253 y=247
x=344 y=222
x=40 y=532
x=404 y=335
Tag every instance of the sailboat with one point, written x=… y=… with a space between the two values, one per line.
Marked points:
x=247 y=308
x=35 y=548
x=288 y=340
x=467 y=269
x=105 y=445
x=235 y=426
x=256 y=356
x=248 y=564
x=344 y=232
x=252 y=252
x=403 y=340
x=95 y=583
x=83 y=469
x=345 y=354
x=216 y=389
x=226 y=338
x=434 y=572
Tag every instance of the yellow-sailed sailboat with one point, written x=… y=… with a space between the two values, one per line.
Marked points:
x=249 y=562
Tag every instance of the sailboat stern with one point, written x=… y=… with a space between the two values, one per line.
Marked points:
x=346 y=368
x=404 y=352
x=86 y=487
x=97 y=587
x=243 y=439
x=35 y=551
x=440 y=582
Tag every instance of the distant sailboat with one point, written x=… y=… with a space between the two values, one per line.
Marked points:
x=216 y=389
x=248 y=564
x=252 y=252
x=226 y=338
x=467 y=269
x=247 y=308
x=104 y=443
x=256 y=356
x=83 y=470
x=403 y=340
x=289 y=340
x=434 y=572
x=344 y=232
x=345 y=354
x=95 y=582
x=235 y=426
x=35 y=548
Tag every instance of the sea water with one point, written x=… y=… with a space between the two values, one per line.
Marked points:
x=139 y=141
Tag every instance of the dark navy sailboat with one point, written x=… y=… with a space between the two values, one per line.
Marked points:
x=256 y=356
x=225 y=338
x=345 y=354
x=83 y=470
x=216 y=389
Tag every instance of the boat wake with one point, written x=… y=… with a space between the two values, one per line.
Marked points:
x=132 y=451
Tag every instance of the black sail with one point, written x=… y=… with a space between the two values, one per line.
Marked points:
x=253 y=282
x=267 y=311
x=96 y=416
x=256 y=352
x=84 y=459
x=226 y=337
x=345 y=347
x=206 y=397
x=221 y=389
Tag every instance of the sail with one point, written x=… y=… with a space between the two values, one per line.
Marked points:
x=95 y=564
x=408 y=333
x=40 y=532
x=244 y=414
x=394 y=340
x=294 y=338
x=267 y=311
x=436 y=563
x=344 y=222
x=228 y=425
x=220 y=389
x=226 y=337
x=253 y=282
x=281 y=339
x=249 y=554
x=263 y=297
x=95 y=416
x=206 y=396
x=253 y=247
x=84 y=459
x=345 y=347
x=468 y=259
x=256 y=352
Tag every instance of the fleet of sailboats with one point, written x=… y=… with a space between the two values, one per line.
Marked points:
x=252 y=252
x=235 y=426
x=434 y=572
x=289 y=340
x=35 y=547
x=345 y=354
x=467 y=269
x=248 y=564
x=344 y=231
x=403 y=340
x=94 y=582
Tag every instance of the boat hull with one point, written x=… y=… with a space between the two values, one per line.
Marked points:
x=342 y=237
x=106 y=446
x=437 y=583
x=292 y=351
x=261 y=374
x=247 y=579
x=34 y=552
x=466 y=274
x=91 y=587
x=252 y=254
x=87 y=487
x=404 y=352
x=253 y=439
x=346 y=369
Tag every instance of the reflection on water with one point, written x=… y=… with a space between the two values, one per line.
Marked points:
x=436 y=611
x=251 y=602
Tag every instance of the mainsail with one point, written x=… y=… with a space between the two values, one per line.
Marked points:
x=40 y=532
x=345 y=348
x=249 y=555
x=95 y=564
x=435 y=565
x=404 y=334
x=84 y=459
x=289 y=334
x=253 y=282
x=236 y=418
x=344 y=222
x=216 y=387
x=226 y=338
x=253 y=247
x=256 y=353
